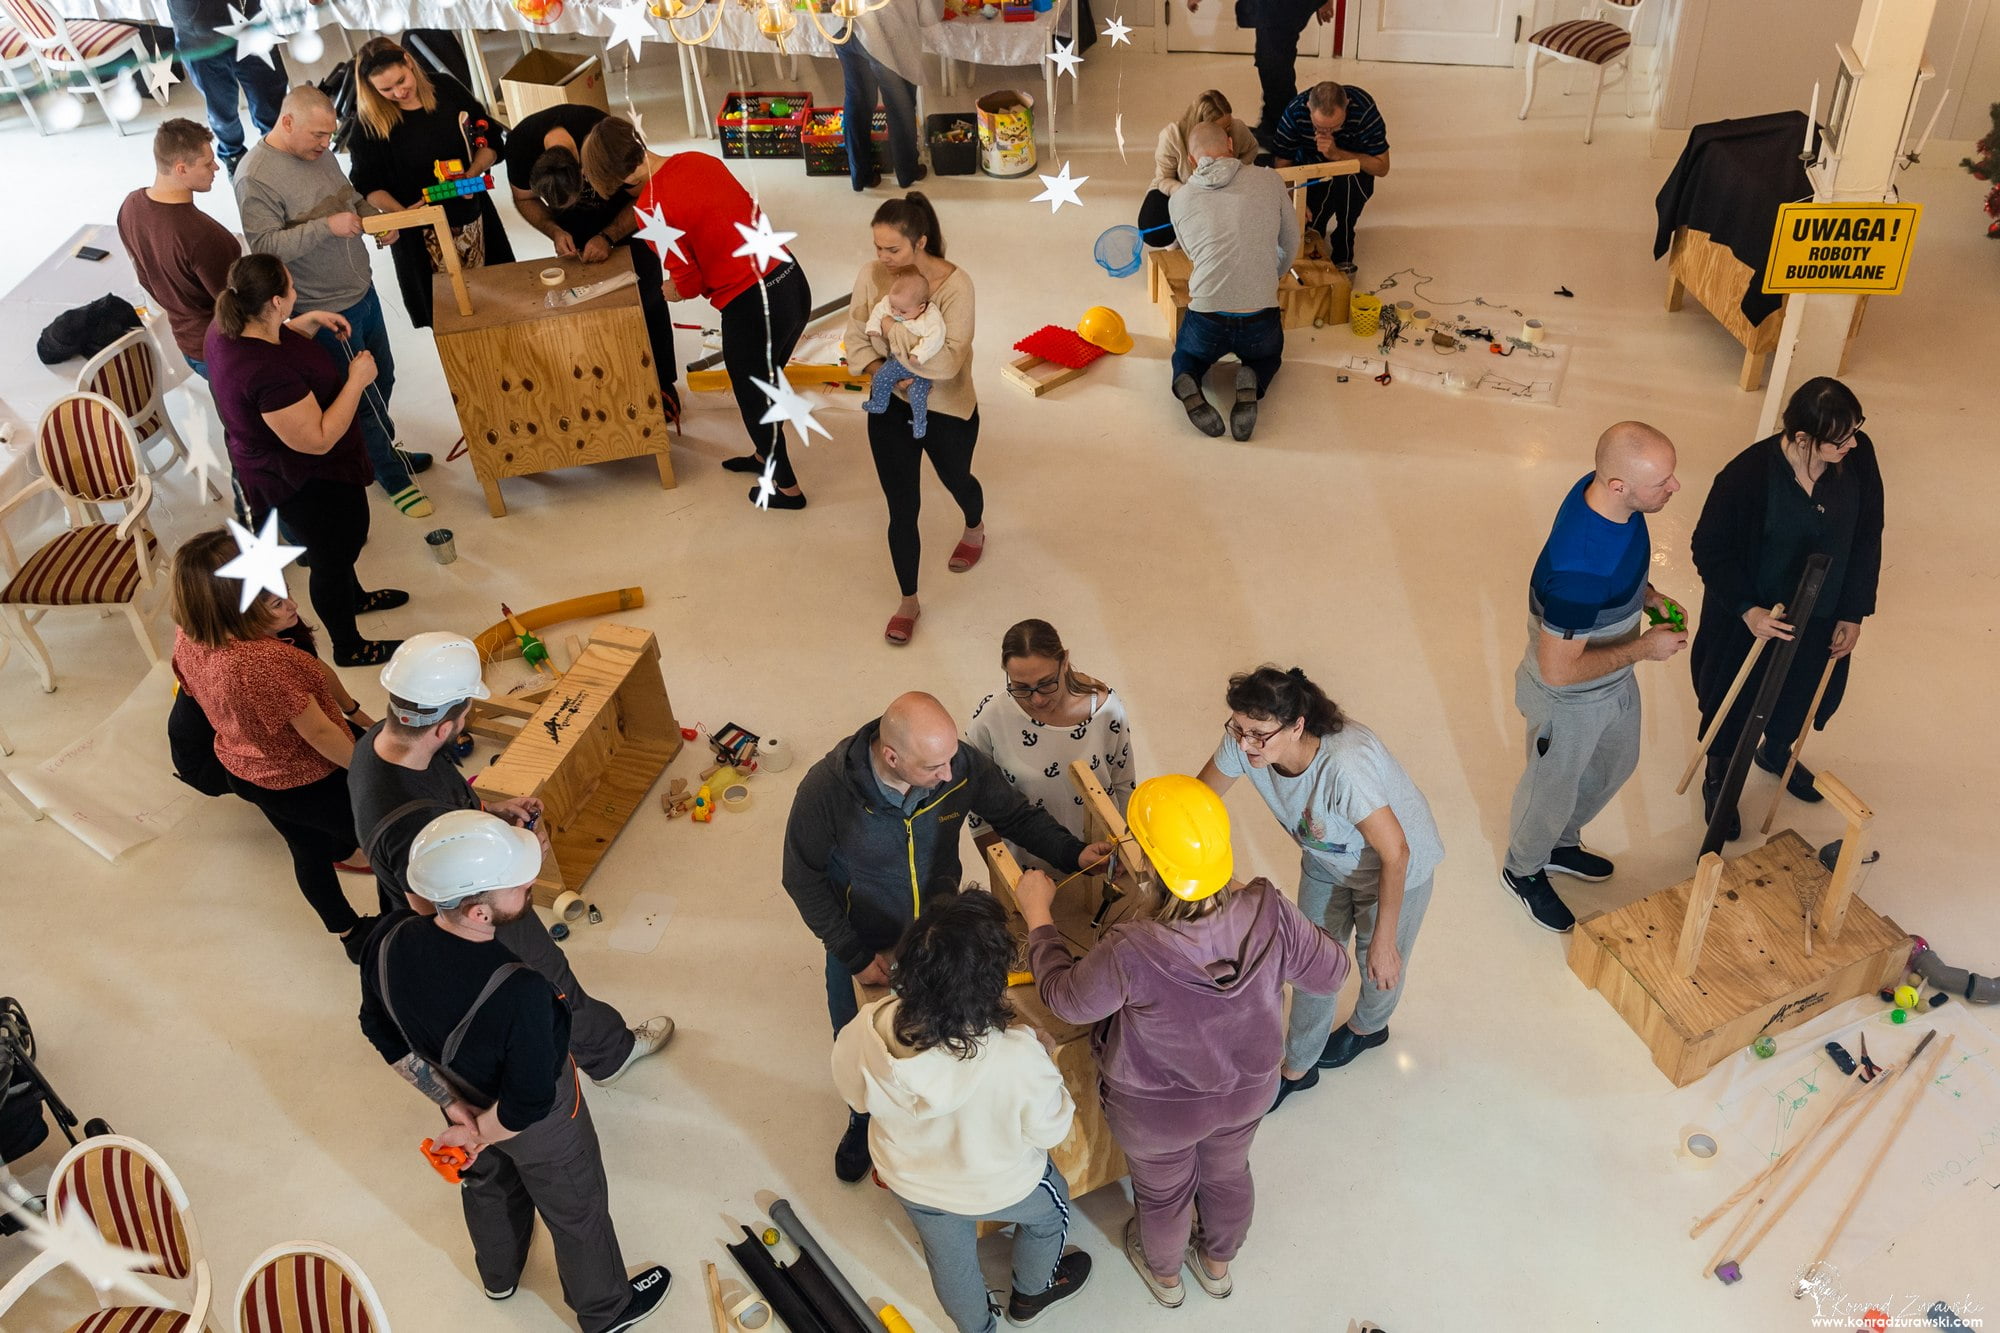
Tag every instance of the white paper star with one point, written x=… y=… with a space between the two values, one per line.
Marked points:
x=254 y=37
x=1118 y=128
x=629 y=24
x=1116 y=31
x=1065 y=58
x=1061 y=189
x=655 y=230
x=767 y=247
x=767 y=484
x=160 y=76
x=77 y=1243
x=261 y=564
x=788 y=404
x=201 y=456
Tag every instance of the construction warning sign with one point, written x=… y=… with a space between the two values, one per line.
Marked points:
x=1842 y=248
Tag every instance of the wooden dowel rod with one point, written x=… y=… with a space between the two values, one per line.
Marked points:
x=1923 y=1081
x=1707 y=737
x=1776 y=1177
x=1841 y=1106
x=1798 y=748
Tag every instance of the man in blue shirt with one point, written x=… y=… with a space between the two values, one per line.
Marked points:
x=1331 y=122
x=1586 y=604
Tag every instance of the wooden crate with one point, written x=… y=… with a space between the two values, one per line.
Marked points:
x=1314 y=293
x=1717 y=279
x=539 y=388
x=590 y=749
x=1167 y=274
x=1754 y=976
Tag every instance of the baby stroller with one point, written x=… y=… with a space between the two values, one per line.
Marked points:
x=24 y=1094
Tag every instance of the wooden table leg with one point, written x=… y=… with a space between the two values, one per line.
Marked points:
x=1751 y=377
x=494 y=504
x=666 y=463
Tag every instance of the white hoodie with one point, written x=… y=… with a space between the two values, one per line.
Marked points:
x=965 y=1136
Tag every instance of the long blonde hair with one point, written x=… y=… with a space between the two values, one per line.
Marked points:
x=377 y=113
x=1210 y=106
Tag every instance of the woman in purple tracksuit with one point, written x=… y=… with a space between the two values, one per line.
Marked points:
x=1190 y=1031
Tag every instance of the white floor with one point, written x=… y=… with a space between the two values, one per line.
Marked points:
x=1504 y=1163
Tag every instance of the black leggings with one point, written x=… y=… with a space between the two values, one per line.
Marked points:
x=317 y=823
x=898 y=465
x=752 y=345
x=330 y=519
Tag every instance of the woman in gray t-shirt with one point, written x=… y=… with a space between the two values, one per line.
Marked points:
x=1368 y=849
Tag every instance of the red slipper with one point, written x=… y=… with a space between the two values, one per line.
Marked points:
x=900 y=629
x=964 y=556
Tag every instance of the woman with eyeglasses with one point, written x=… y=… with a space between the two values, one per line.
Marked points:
x=1052 y=716
x=1368 y=849
x=284 y=724
x=1815 y=488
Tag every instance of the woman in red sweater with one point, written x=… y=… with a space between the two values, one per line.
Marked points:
x=763 y=314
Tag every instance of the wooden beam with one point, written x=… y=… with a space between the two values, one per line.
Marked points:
x=1299 y=177
x=1701 y=901
x=1853 y=852
x=432 y=216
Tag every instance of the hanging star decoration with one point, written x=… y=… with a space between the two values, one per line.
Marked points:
x=788 y=404
x=1060 y=189
x=767 y=484
x=1118 y=128
x=254 y=37
x=76 y=1242
x=260 y=562
x=766 y=247
x=629 y=24
x=1065 y=58
x=201 y=457
x=160 y=76
x=656 y=231
x=1116 y=31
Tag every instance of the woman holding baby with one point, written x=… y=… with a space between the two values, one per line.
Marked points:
x=900 y=301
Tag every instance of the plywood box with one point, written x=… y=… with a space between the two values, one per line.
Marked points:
x=542 y=79
x=1754 y=976
x=1314 y=293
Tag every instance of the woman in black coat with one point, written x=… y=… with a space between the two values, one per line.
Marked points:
x=407 y=124
x=1814 y=489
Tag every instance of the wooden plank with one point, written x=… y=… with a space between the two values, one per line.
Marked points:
x=801 y=375
x=432 y=216
x=1313 y=294
x=1028 y=373
x=1701 y=902
x=1298 y=177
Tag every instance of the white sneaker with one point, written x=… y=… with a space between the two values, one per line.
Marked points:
x=1171 y=1297
x=647 y=1038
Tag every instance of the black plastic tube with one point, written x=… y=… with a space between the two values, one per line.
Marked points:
x=788 y=1222
x=785 y=1299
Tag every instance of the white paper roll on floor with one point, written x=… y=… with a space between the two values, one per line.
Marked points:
x=773 y=755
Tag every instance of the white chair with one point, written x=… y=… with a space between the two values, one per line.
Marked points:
x=128 y=373
x=65 y=47
x=18 y=58
x=1590 y=41
x=7 y=787
x=307 y=1287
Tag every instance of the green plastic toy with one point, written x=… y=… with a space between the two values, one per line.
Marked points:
x=1674 y=614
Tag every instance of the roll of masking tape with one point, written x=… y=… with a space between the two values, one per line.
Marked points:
x=735 y=796
x=750 y=1313
x=1532 y=331
x=1697 y=1147
x=569 y=906
x=1418 y=321
x=553 y=277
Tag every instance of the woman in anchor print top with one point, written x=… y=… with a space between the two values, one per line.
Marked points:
x=1051 y=715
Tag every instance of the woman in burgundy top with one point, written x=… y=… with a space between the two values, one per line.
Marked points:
x=764 y=304
x=289 y=417
x=284 y=724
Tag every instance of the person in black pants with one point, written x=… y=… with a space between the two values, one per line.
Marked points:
x=1816 y=488
x=284 y=724
x=1278 y=25
x=1331 y=122
x=907 y=238
x=223 y=80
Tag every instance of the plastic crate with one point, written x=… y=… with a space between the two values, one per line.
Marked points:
x=952 y=157
x=824 y=141
x=749 y=127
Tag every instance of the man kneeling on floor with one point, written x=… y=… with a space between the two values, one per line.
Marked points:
x=486 y=1038
x=1240 y=234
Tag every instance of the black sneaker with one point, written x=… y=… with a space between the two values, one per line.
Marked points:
x=1288 y=1086
x=1243 y=413
x=357 y=939
x=1576 y=861
x=648 y=1290
x=1346 y=1043
x=1540 y=900
x=1072 y=1271
x=416 y=461
x=1800 y=784
x=493 y=1295
x=1732 y=827
x=1200 y=411
x=852 y=1160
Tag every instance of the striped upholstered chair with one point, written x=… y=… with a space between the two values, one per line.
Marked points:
x=128 y=373
x=130 y=1194
x=90 y=47
x=306 y=1287
x=87 y=457
x=17 y=62
x=1593 y=42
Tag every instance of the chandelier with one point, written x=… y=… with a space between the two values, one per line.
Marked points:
x=776 y=19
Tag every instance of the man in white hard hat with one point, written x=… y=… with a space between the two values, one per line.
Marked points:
x=403 y=776
x=483 y=1036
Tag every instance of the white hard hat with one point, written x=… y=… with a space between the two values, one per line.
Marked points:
x=436 y=671
x=463 y=852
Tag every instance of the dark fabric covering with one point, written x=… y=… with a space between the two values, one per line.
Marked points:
x=1729 y=181
x=86 y=330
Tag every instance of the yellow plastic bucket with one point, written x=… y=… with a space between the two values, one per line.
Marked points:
x=1364 y=314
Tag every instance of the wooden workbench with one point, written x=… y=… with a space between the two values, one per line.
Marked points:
x=1717 y=279
x=537 y=387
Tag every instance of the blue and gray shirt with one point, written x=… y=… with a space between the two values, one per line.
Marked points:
x=1589 y=582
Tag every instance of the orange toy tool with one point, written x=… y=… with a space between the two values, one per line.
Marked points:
x=446 y=1160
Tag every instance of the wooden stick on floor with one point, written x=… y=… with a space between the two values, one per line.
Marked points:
x=716 y=1313
x=1707 y=737
x=1798 y=748
x=1777 y=1178
x=1841 y=1106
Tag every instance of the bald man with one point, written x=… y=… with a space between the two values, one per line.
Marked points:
x=299 y=205
x=1586 y=604
x=874 y=835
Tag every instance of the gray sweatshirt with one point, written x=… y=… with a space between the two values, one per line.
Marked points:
x=285 y=202
x=1238 y=229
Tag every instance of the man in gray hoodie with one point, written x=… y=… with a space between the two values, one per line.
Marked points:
x=1239 y=232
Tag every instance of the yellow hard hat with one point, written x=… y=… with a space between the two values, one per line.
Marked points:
x=1183 y=828
x=1106 y=328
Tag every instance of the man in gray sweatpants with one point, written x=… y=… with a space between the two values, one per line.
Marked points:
x=1574 y=687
